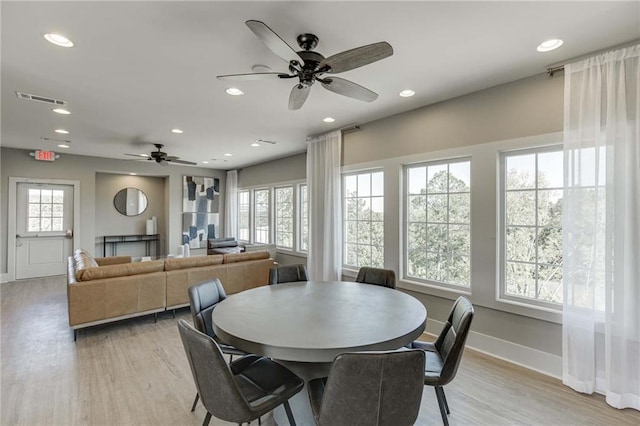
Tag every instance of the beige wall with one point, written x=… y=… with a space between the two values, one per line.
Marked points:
x=110 y=222
x=527 y=107
x=18 y=163
x=282 y=170
x=478 y=125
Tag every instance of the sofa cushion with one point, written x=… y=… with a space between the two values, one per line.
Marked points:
x=242 y=257
x=214 y=243
x=191 y=262
x=122 y=270
x=225 y=250
x=83 y=260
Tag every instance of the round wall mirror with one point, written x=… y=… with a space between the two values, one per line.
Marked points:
x=130 y=201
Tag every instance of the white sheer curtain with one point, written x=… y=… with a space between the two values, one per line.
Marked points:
x=231 y=205
x=324 y=260
x=601 y=227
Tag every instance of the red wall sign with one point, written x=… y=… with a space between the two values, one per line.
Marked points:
x=45 y=155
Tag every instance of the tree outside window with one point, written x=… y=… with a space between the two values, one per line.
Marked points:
x=284 y=216
x=363 y=232
x=304 y=218
x=531 y=238
x=243 y=216
x=439 y=223
x=261 y=216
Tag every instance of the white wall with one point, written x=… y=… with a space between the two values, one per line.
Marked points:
x=18 y=163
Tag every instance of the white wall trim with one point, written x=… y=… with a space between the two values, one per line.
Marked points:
x=532 y=359
x=4 y=278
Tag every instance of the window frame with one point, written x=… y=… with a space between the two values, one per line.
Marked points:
x=299 y=217
x=501 y=227
x=269 y=215
x=350 y=269
x=249 y=223
x=293 y=217
x=271 y=188
x=440 y=285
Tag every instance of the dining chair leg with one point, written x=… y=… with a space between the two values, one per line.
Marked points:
x=444 y=398
x=207 y=419
x=195 y=402
x=443 y=411
x=287 y=408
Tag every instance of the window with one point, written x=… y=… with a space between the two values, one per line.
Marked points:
x=284 y=216
x=243 y=216
x=303 y=208
x=438 y=243
x=531 y=231
x=261 y=216
x=363 y=231
x=46 y=210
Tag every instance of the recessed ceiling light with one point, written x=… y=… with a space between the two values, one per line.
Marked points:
x=133 y=174
x=178 y=131
x=233 y=91
x=255 y=144
x=328 y=119
x=205 y=162
x=61 y=131
x=61 y=111
x=407 y=93
x=58 y=40
x=549 y=45
x=228 y=154
x=63 y=145
x=260 y=68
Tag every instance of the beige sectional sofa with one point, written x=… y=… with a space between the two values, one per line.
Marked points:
x=101 y=290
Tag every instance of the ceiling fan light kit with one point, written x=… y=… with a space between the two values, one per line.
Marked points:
x=309 y=66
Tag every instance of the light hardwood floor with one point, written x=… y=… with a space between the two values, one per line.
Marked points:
x=135 y=373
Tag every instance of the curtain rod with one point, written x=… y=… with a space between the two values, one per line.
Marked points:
x=560 y=66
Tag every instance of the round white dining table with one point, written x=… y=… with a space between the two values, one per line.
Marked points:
x=305 y=325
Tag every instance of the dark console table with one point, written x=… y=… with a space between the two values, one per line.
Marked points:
x=114 y=240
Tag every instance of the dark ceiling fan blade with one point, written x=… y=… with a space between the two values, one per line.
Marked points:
x=255 y=76
x=298 y=96
x=273 y=41
x=349 y=88
x=176 y=161
x=355 y=58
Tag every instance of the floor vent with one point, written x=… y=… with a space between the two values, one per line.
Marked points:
x=44 y=99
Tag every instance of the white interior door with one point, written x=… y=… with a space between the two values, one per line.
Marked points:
x=44 y=225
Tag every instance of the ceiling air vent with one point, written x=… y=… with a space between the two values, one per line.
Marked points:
x=36 y=98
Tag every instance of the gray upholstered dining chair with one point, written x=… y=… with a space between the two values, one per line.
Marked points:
x=203 y=298
x=377 y=276
x=241 y=391
x=370 y=388
x=288 y=274
x=444 y=355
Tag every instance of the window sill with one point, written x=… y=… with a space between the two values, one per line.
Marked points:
x=289 y=252
x=509 y=306
x=435 y=290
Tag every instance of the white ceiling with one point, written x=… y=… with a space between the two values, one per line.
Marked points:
x=139 y=69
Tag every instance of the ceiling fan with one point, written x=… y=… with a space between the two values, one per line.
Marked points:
x=162 y=158
x=309 y=66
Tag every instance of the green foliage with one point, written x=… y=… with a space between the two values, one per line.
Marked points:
x=439 y=228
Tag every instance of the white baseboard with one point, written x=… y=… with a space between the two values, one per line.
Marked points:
x=4 y=278
x=533 y=359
